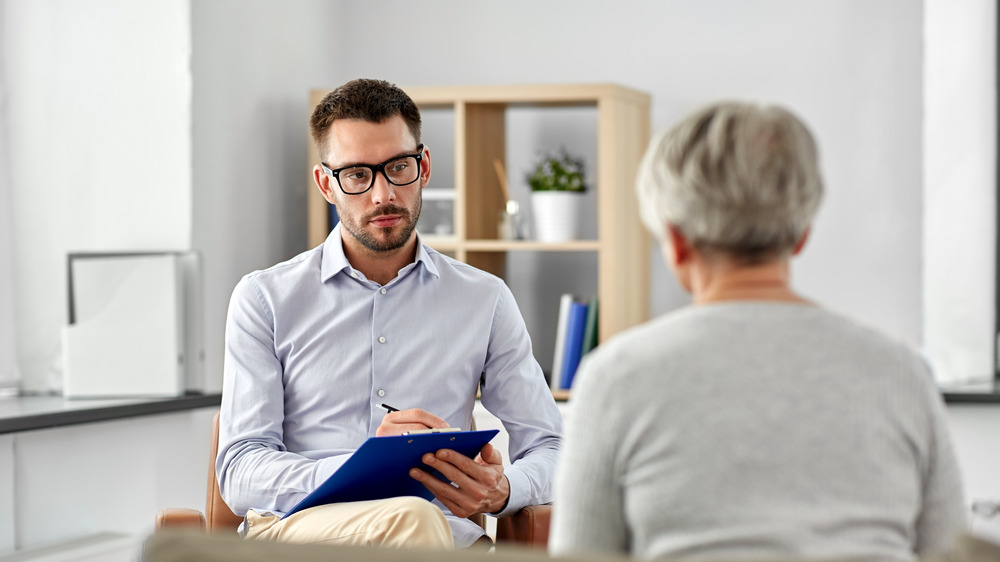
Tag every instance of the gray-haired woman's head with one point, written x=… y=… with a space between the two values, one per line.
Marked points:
x=734 y=178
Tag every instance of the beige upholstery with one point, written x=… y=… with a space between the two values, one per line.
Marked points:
x=174 y=546
x=530 y=526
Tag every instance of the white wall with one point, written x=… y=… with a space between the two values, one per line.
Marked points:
x=99 y=133
x=974 y=433
x=253 y=66
x=173 y=125
x=185 y=126
x=851 y=69
x=105 y=477
x=960 y=149
x=9 y=377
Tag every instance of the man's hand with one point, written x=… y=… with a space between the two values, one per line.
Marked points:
x=477 y=486
x=398 y=423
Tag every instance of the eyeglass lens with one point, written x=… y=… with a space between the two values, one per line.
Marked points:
x=401 y=171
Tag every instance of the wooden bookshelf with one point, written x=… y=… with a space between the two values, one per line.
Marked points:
x=622 y=244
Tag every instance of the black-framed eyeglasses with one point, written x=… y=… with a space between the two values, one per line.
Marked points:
x=359 y=178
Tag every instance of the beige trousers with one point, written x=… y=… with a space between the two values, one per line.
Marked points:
x=395 y=522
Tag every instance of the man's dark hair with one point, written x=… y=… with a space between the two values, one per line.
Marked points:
x=367 y=99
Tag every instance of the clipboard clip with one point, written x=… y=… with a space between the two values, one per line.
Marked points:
x=433 y=430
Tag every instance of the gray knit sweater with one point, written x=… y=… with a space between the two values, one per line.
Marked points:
x=753 y=429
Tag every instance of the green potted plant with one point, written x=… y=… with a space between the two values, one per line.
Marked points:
x=557 y=188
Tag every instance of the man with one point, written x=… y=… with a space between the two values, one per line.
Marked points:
x=315 y=345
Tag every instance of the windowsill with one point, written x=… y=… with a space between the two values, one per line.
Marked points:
x=983 y=392
x=26 y=413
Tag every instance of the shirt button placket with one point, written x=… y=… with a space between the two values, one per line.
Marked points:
x=382 y=291
x=382 y=340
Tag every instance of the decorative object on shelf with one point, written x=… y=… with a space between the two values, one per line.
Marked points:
x=510 y=227
x=557 y=190
x=437 y=217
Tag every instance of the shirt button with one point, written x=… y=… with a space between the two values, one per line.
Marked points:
x=381 y=392
x=356 y=275
x=382 y=291
x=381 y=339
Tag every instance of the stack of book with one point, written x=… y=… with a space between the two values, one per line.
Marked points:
x=576 y=334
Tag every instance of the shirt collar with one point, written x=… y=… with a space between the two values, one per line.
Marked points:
x=334 y=260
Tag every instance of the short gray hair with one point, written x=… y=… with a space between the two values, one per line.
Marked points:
x=734 y=178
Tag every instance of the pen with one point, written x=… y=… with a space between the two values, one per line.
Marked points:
x=388 y=408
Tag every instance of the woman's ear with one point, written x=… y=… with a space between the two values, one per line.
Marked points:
x=678 y=253
x=802 y=241
x=680 y=248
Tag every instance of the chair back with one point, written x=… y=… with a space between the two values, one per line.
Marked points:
x=218 y=517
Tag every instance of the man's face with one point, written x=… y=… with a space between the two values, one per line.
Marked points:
x=383 y=218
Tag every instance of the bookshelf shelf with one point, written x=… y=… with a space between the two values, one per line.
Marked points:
x=527 y=245
x=477 y=116
x=440 y=243
x=560 y=395
x=452 y=244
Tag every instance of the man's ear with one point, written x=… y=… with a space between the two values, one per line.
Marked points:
x=680 y=248
x=425 y=168
x=324 y=183
x=802 y=241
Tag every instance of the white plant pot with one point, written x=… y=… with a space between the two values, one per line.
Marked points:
x=557 y=215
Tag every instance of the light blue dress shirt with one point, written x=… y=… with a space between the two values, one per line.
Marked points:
x=313 y=348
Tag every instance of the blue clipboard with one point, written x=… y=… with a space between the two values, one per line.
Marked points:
x=380 y=468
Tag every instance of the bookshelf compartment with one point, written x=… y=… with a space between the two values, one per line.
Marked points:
x=538 y=280
x=437 y=214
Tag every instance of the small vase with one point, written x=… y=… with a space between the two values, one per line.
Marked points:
x=556 y=215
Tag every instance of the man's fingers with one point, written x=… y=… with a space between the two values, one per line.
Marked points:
x=453 y=498
x=414 y=419
x=489 y=455
x=399 y=429
x=416 y=416
x=456 y=467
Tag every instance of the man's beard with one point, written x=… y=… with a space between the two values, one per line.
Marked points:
x=375 y=244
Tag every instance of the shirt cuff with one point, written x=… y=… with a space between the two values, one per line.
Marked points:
x=518 y=497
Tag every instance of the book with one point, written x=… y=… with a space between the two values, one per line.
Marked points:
x=555 y=378
x=575 y=326
x=380 y=468
x=590 y=332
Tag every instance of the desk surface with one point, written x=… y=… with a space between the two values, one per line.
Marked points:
x=25 y=413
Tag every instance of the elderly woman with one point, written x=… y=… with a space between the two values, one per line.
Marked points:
x=754 y=423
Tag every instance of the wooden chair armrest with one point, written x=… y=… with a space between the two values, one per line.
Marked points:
x=175 y=517
x=528 y=527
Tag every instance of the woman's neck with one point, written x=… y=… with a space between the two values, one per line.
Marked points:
x=722 y=279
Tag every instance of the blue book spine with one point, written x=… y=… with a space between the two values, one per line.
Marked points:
x=555 y=376
x=575 y=327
